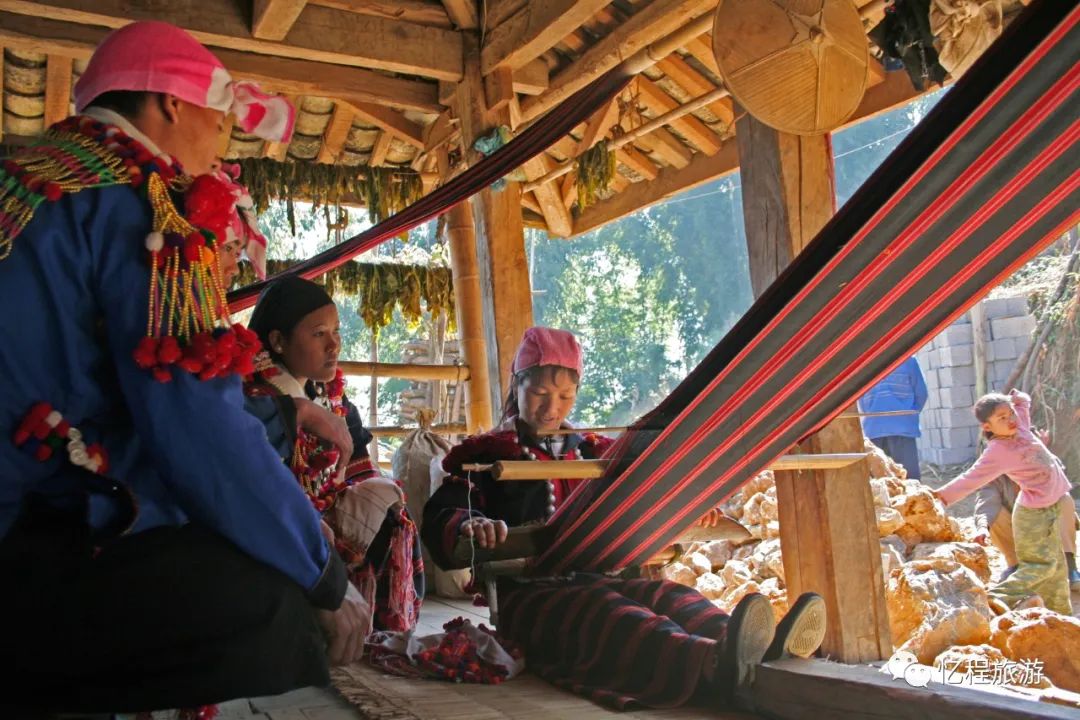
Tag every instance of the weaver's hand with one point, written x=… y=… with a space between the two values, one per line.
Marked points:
x=488 y=533
x=327 y=426
x=346 y=628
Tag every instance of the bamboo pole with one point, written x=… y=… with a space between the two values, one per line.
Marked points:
x=978 y=348
x=402 y=431
x=470 y=321
x=588 y=469
x=405 y=371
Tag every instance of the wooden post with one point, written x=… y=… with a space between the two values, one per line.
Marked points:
x=470 y=320
x=500 y=235
x=828 y=527
x=978 y=348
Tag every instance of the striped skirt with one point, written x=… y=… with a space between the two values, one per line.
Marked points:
x=621 y=643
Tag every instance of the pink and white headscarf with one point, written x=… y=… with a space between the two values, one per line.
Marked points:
x=243 y=224
x=153 y=56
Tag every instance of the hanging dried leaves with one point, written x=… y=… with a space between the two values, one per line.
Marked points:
x=595 y=171
x=413 y=289
x=384 y=191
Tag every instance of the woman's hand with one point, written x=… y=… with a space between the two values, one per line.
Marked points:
x=327 y=426
x=488 y=533
x=346 y=628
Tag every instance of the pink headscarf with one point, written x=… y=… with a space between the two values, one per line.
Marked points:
x=548 y=346
x=243 y=223
x=153 y=56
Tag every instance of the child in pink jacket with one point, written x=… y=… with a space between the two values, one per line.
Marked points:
x=1014 y=450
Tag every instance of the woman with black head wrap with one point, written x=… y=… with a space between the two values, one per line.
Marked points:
x=298 y=324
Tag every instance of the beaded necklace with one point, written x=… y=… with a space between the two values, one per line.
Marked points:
x=188 y=325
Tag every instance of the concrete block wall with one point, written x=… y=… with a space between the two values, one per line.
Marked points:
x=949 y=430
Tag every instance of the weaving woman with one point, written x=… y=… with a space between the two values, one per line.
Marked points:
x=589 y=633
x=297 y=322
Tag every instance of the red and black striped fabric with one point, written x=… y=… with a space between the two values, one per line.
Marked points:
x=980 y=186
x=589 y=635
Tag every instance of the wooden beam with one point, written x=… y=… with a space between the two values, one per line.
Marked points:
x=272 y=19
x=380 y=149
x=414 y=11
x=700 y=48
x=668 y=147
x=528 y=200
x=533 y=30
x=693 y=82
x=531 y=78
x=499 y=88
x=599 y=125
x=321 y=34
x=296 y=77
x=569 y=189
x=656 y=21
x=668 y=182
x=797 y=689
x=555 y=213
x=57 y=88
x=629 y=156
x=225 y=136
x=392 y=122
x=337 y=131
x=828 y=527
x=462 y=13
x=659 y=102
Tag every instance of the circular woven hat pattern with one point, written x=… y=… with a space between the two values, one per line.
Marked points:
x=799 y=66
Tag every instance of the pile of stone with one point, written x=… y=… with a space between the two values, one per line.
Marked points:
x=936 y=580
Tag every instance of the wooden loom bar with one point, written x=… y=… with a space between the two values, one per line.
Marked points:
x=405 y=371
x=510 y=470
x=402 y=431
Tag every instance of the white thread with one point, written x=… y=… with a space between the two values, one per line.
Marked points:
x=472 y=535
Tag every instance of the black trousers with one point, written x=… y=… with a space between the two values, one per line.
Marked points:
x=171 y=617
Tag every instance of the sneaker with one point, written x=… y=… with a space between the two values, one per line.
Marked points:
x=1074 y=580
x=1007 y=572
x=750 y=629
x=801 y=630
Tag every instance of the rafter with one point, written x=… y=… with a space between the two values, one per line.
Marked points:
x=696 y=84
x=381 y=149
x=700 y=48
x=321 y=34
x=599 y=125
x=414 y=11
x=337 y=131
x=57 y=88
x=657 y=20
x=531 y=78
x=295 y=77
x=555 y=213
x=659 y=102
x=272 y=19
x=392 y=122
x=533 y=30
x=462 y=13
x=668 y=147
x=629 y=156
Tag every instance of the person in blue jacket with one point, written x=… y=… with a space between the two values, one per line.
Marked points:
x=903 y=389
x=154 y=549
